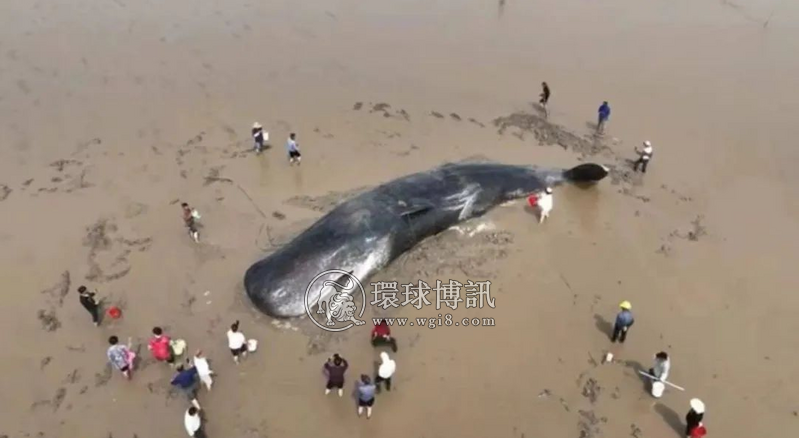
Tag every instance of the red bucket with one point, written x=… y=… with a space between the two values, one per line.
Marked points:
x=114 y=312
x=532 y=200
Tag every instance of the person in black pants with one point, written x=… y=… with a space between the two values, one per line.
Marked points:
x=693 y=418
x=624 y=320
x=90 y=304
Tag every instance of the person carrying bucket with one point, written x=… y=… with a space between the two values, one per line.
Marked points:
x=543 y=202
x=693 y=420
x=624 y=320
x=660 y=371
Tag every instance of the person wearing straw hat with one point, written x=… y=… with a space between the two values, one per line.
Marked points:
x=258 y=137
x=694 y=417
x=644 y=155
x=624 y=320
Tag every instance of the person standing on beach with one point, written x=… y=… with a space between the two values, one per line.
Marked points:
x=203 y=369
x=186 y=381
x=644 y=155
x=604 y=115
x=237 y=342
x=385 y=371
x=89 y=303
x=624 y=320
x=293 y=149
x=661 y=367
x=335 y=367
x=381 y=335
x=160 y=347
x=258 y=137
x=190 y=220
x=544 y=98
x=193 y=422
x=120 y=356
x=366 y=395
x=545 y=203
x=694 y=417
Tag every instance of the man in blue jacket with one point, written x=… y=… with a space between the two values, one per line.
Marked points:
x=187 y=381
x=604 y=115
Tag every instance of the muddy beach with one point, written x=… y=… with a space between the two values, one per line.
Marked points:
x=113 y=113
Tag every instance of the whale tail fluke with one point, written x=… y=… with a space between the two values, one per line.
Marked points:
x=586 y=173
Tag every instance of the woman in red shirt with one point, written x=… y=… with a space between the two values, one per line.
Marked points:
x=160 y=348
x=381 y=335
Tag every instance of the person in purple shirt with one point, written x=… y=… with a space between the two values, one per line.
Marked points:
x=187 y=381
x=335 y=368
x=604 y=115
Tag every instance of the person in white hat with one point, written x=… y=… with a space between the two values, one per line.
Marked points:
x=385 y=371
x=258 y=136
x=644 y=155
x=545 y=202
x=694 y=417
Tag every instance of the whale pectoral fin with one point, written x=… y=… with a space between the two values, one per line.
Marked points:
x=412 y=207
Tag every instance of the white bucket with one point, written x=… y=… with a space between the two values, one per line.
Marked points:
x=657 y=389
x=609 y=357
x=252 y=345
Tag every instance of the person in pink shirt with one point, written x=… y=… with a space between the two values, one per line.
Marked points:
x=159 y=347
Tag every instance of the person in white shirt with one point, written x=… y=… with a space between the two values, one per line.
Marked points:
x=193 y=423
x=545 y=203
x=385 y=371
x=662 y=366
x=644 y=155
x=236 y=342
x=203 y=369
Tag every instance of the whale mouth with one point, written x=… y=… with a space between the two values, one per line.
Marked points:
x=586 y=173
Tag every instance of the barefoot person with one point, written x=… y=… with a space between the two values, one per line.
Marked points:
x=120 y=356
x=160 y=347
x=186 y=381
x=385 y=371
x=335 y=367
x=381 y=335
x=545 y=204
x=604 y=115
x=190 y=217
x=366 y=395
x=236 y=342
x=544 y=97
x=661 y=367
x=293 y=149
x=693 y=419
x=258 y=137
x=203 y=369
x=89 y=303
x=624 y=320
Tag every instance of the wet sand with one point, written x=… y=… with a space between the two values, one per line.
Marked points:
x=112 y=113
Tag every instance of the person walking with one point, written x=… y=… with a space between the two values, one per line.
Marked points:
x=381 y=335
x=193 y=422
x=186 y=381
x=604 y=115
x=120 y=356
x=385 y=371
x=644 y=155
x=293 y=149
x=693 y=419
x=335 y=367
x=160 y=347
x=89 y=303
x=237 y=342
x=545 y=93
x=545 y=204
x=203 y=369
x=661 y=367
x=259 y=137
x=624 y=320
x=190 y=217
x=366 y=395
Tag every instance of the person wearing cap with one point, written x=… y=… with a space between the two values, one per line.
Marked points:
x=644 y=155
x=624 y=320
x=661 y=367
x=89 y=303
x=694 y=417
x=604 y=115
x=545 y=202
x=258 y=136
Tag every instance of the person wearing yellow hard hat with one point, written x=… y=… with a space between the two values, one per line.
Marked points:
x=624 y=320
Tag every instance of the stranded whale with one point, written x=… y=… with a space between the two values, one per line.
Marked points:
x=364 y=234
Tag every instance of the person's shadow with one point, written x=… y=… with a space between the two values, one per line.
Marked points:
x=603 y=325
x=671 y=418
x=636 y=367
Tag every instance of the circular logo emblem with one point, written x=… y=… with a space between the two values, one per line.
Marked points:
x=334 y=293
